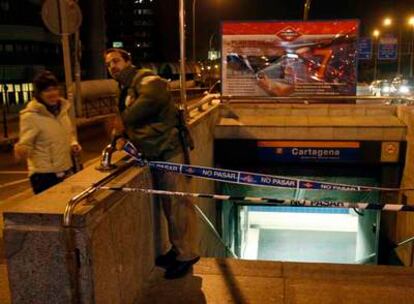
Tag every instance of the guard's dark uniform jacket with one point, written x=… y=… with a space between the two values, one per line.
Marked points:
x=150 y=115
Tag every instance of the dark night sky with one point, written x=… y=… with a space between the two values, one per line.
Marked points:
x=210 y=12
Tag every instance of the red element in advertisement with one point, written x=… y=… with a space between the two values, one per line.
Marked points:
x=288 y=34
x=308 y=185
x=305 y=28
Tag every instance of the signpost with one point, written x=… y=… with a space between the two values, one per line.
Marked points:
x=387 y=48
x=364 y=48
x=64 y=17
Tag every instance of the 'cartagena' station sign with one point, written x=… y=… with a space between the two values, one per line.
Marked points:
x=324 y=151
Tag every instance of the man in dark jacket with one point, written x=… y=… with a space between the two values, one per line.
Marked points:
x=150 y=119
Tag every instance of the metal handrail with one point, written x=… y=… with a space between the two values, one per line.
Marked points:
x=71 y=205
x=190 y=90
x=69 y=235
x=205 y=100
x=409 y=240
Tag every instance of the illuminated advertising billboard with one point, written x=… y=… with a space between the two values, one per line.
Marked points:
x=290 y=58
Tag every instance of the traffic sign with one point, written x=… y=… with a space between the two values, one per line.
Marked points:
x=387 y=48
x=53 y=18
x=364 y=48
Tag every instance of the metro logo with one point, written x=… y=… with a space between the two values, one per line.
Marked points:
x=308 y=185
x=288 y=34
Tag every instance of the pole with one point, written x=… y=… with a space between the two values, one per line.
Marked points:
x=210 y=41
x=399 y=49
x=412 y=52
x=78 y=98
x=63 y=23
x=5 y=106
x=184 y=134
x=194 y=31
x=306 y=10
x=375 y=53
x=182 y=54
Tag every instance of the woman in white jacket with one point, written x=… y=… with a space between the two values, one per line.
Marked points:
x=47 y=136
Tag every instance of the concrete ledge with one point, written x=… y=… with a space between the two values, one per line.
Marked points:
x=313 y=121
x=388 y=128
x=4 y=285
x=116 y=234
x=279 y=109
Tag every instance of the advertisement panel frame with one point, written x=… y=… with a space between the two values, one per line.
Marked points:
x=224 y=55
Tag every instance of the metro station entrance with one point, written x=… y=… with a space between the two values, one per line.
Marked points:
x=308 y=234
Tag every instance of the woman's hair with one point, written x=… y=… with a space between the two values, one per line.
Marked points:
x=124 y=54
x=44 y=80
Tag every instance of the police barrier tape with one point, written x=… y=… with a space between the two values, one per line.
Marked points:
x=248 y=178
x=13 y=172
x=270 y=201
x=20 y=181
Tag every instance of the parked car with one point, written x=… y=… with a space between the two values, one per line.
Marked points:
x=403 y=86
x=381 y=88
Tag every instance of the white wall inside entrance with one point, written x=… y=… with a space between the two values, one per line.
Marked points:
x=286 y=221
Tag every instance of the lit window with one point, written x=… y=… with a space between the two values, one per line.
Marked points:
x=9 y=87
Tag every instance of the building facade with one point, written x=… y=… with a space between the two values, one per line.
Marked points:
x=130 y=24
x=25 y=48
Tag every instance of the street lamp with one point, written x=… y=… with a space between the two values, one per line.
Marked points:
x=387 y=22
x=411 y=23
x=194 y=32
x=375 y=34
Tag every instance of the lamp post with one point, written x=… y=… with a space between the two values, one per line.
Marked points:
x=375 y=34
x=210 y=41
x=194 y=31
x=5 y=109
x=181 y=29
x=387 y=22
x=306 y=10
x=411 y=23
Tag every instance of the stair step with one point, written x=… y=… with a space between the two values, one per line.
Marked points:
x=216 y=266
x=314 y=270
x=4 y=285
x=291 y=269
x=209 y=288
x=317 y=291
x=241 y=281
